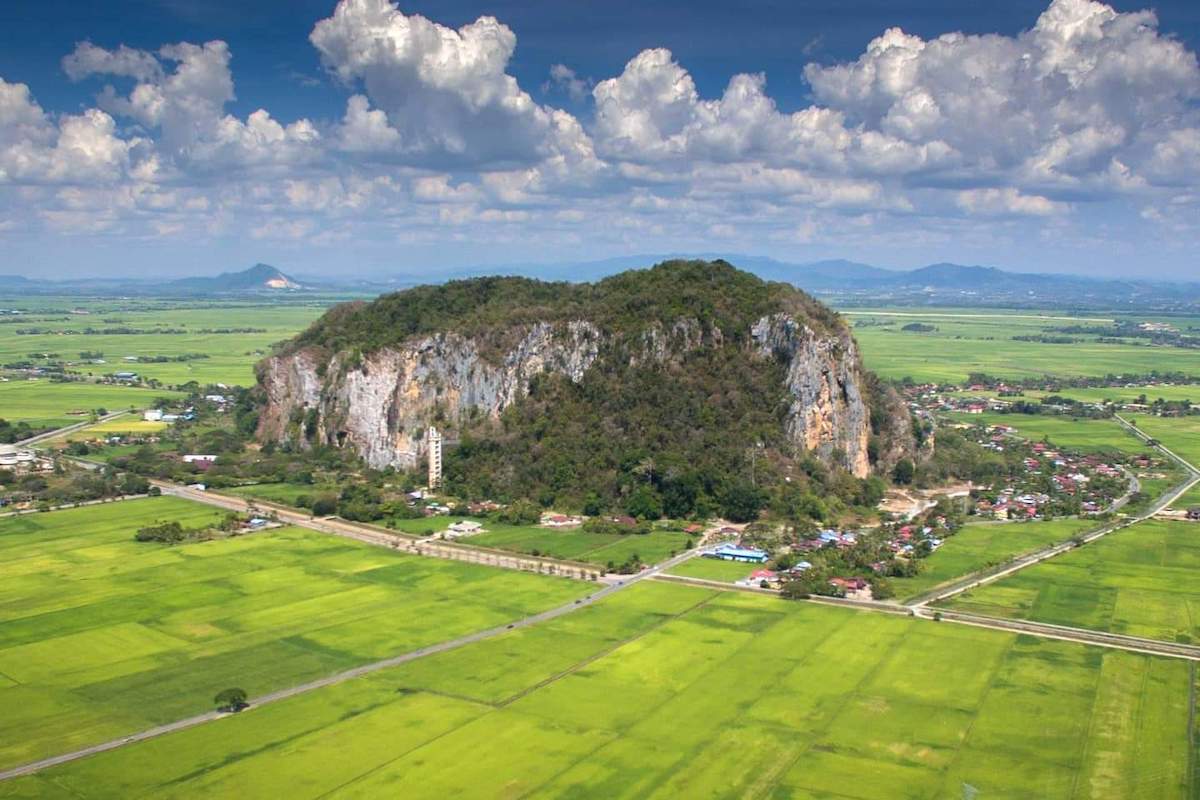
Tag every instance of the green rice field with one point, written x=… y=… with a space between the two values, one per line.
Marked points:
x=282 y=493
x=101 y=635
x=565 y=543
x=164 y=328
x=980 y=340
x=714 y=569
x=594 y=548
x=1189 y=499
x=127 y=425
x=1140 y=581
x=1087 y=435
x=1180 y=434
x=666 y=691
x=980 y=545
x=42 y=403
x=1113 y=394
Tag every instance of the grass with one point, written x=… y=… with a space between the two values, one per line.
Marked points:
x=574 y=545
x=282 y=493
x=1179 y=434
x=980 y=545
x=1189 y=499
x=231 y=356
x=128 y=424
x=670 y=691
x=101 y=635
x=713 y=569
x=1099 y=394
x=980 y=340
x=594 y=548
x=1140 y=581
x=1088 y=435
x=42 y=403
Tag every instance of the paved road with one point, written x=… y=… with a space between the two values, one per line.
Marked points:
x=1112 y=641
x=48 y=435
x=66 y=506
x=917 y=610
x=979 y=579
x=603 y=591
x=392 y=539
x=1044 y=630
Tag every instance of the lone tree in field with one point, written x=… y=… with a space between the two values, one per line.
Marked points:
x=231 y=700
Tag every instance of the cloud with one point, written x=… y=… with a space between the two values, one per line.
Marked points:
x=1054 y=107
x=652 y=112
x=444 y=92
x=182 y=92
x=564 y=79
x=79 y=148
x=1088 y=116
x=1007 y=201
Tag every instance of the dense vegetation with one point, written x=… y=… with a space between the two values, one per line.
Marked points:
x=700 y=432
x=714 y=293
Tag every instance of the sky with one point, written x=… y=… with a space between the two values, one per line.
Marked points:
x=370 y=139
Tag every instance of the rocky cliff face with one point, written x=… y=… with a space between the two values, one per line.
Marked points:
x=827 y=413
x=380 y=404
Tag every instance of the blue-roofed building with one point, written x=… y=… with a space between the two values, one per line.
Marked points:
x=732 y=552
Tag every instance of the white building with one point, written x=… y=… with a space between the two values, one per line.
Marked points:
x=153 y=415
x=434 y=440
x=12 y=456
x=464 y=527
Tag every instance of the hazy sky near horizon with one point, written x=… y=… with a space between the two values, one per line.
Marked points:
x=144 y=137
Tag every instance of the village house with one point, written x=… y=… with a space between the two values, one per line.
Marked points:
x=463 y=527
x=757 y=578
x=733 y=552
x=560 y=521
x=200 y=461
x=854 y=588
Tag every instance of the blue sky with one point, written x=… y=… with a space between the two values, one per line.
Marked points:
x=373 y=138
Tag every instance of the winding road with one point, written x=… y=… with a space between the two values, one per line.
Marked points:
x=1028 y=560
x=78 y=426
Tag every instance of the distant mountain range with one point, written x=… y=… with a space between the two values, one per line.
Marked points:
x=851 y=283
x=845 y=283
x=261 y=278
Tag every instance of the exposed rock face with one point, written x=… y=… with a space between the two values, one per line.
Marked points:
x=382 y=404
x=827 y=413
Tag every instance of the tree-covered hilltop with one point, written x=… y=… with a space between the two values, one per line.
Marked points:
x=689 y=388
x=712 y=292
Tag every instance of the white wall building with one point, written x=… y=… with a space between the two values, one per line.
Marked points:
x=434 y=440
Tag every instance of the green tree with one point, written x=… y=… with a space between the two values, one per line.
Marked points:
x=231 y=700
x=742 y=502
x=522 y=512
x=904 y=471
x=644 y=503
x=593 y=505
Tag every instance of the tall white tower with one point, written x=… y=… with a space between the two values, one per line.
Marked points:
x=434 y=440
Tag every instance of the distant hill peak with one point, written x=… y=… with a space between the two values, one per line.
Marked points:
x=260 y=277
